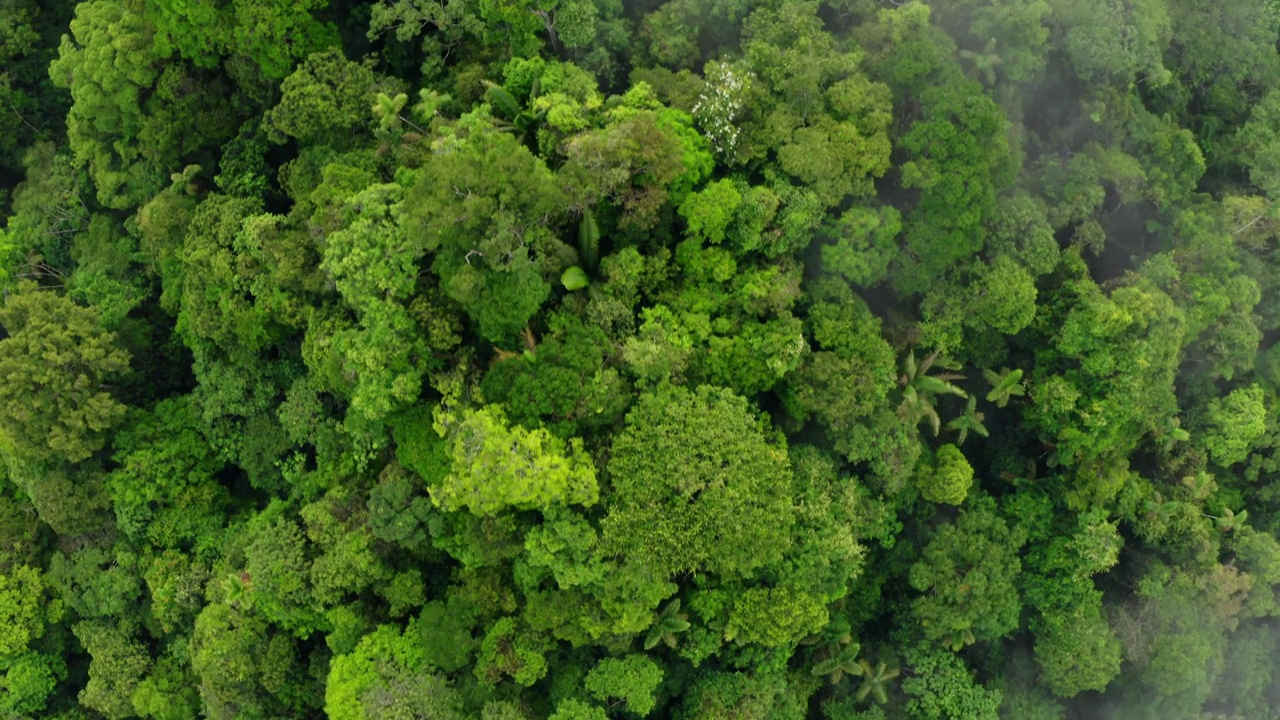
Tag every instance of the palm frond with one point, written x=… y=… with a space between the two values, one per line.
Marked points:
x=503 y=102
x=589 y=240
x=939 y=386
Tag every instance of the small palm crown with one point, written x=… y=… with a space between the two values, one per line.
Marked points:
x=666 y=625
x=875 y=681
x=919 y=389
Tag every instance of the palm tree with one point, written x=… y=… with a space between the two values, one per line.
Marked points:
x=919 y=388
x=1159 y=509
x=984 y=62
x=389 y=112
x=1201 y=485
x=1231 y=520
x=1171 y=434
x=841 y=662
x=508 y=114
x=665 y=626
x=958 y=639
x=1004 y=385
x=239 y=590
x=589 y=240
x=577 y=277
x=875 y=682
x=969 y=421
x=387 y=109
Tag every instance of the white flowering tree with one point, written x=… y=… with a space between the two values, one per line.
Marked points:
x=720 y=107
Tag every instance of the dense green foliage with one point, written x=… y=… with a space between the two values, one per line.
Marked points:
x=590 y=360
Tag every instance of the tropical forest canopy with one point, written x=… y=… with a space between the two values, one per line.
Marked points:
x=689 y=360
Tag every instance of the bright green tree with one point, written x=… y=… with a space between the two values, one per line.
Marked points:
x=1076 y=649
x=55 y=366
x=133 y=117
x=118 y=665
x=774 y=617
x=485 y=208
x=107 y=62
x=967 y=575
x=388 y=675
x=947 y=477
x=22 y=598
x=939 y=686
x=1005 y=297
x=495 y=465
x=28 y=681
x=326 y=100
x=237 y=658
x=960 y=160
x=698 y=486
x=1128 y=342
x=164 y=489
x=508 y=649
x=1233 y=423
x=273 y=34
x=632 y=679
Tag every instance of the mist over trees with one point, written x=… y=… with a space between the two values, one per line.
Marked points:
x=688 y=360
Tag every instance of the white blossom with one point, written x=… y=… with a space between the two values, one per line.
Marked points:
x=719 y=105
